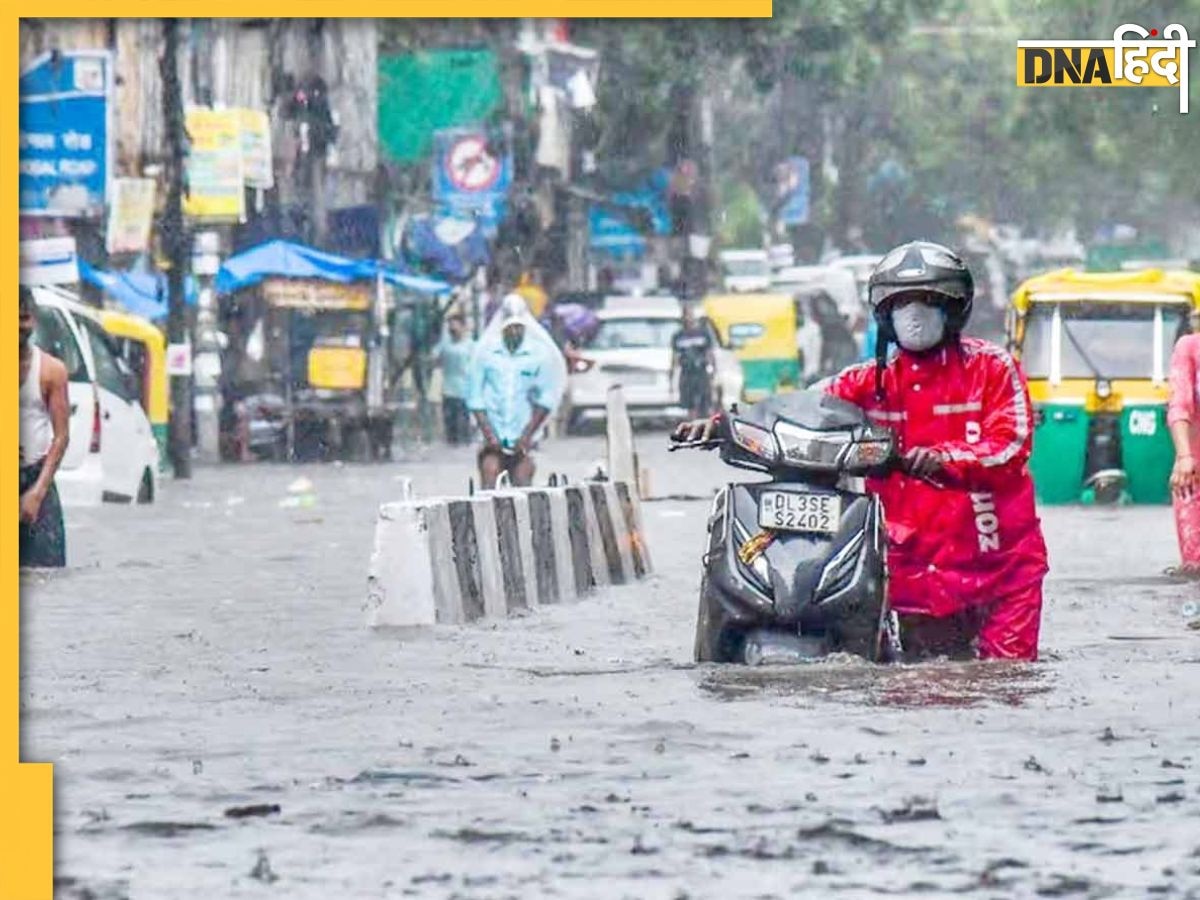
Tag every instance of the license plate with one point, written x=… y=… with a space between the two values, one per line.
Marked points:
x=795 y=511
x=638 y=377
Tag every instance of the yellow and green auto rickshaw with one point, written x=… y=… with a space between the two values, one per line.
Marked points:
x=761 y=329
x=143 y=347
x=1096 y=348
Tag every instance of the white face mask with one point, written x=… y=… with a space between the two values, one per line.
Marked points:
x=919 y=326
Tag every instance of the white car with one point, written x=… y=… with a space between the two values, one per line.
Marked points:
x=112 y=454
x=632 y=348
x=745 y=271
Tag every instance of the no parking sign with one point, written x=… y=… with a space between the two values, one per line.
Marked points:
x=471 y=174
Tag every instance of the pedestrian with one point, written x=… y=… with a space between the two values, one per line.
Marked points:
x=453 y=353
x=529 y=288
x=43 y=436
x=838 y=347
x=808 y=342
x=1184 y=423
x=966 y=556
x=692 y=364
x=516 y=381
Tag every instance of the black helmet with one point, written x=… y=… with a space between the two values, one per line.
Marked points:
x=926 y=268
x=918 y=267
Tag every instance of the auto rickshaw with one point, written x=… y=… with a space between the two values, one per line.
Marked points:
x=1096 y=349
x=317 y=337
x=761 y=329
x=143 y=347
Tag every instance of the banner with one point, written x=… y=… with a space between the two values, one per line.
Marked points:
x=214 y=165
x=130 y=215
x=313 y=294
x=256 y=148
x=792 y=190
x=65 y=143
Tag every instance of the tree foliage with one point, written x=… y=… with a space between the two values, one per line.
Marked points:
x=926 y=85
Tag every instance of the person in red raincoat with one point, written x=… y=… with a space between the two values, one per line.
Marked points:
x=966 y=555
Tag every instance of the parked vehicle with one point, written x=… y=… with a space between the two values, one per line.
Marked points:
x=781 y=256
x=1096 y=349
x=796 y=566
x=142 y=346
x=745 y=271
x=632 y=347
x=761 y=330
x=112 y=453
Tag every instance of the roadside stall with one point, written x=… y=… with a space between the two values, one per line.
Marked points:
x=1096 y=348
x=313 y=345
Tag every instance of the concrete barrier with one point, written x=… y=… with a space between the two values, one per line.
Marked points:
x=460 y=559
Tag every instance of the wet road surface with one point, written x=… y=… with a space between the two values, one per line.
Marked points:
x=224 y=725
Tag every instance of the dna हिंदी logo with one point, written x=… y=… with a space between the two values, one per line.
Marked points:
x=1134 y=57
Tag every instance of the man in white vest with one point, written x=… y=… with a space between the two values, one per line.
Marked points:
x=44 y=420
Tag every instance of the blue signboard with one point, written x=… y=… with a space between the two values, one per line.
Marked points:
x=792 y=185
x=66 y=134
x=471 y=175
x=611 y=230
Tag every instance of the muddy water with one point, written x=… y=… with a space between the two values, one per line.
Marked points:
x=224 y=726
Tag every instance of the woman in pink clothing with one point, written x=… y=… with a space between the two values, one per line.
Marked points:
x=1183 y=418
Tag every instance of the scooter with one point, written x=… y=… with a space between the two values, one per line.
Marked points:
x=796 y=565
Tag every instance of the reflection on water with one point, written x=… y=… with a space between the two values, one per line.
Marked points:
x=946 y=684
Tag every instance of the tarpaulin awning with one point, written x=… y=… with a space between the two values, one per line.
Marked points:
x=287 y=259
x=143 y=293
x=418 y=284
x=450 y=247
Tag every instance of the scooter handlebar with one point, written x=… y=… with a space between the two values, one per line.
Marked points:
x=710 y=444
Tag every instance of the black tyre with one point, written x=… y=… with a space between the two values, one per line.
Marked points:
x=355 y=446
x=715 y=640
x=145 y=492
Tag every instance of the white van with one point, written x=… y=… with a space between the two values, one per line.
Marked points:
x=112 y=454
x=745 y=271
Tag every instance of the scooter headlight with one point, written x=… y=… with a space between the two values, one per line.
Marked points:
x=814 y=449
x=755 y=440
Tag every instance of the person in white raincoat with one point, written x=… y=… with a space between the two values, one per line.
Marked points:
x=517 y=380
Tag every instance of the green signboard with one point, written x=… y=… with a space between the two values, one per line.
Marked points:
x=420 y=93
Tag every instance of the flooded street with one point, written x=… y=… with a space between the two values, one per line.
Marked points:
x=224 y=725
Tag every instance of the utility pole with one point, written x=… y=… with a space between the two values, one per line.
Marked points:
x=175 y=245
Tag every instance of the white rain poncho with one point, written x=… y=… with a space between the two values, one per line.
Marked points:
x=506 y=384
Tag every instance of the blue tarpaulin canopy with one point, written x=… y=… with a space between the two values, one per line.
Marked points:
x=142 y=292
x=286 y=259
x=418 y=284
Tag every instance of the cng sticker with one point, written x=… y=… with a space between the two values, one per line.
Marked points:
x=1143 y=422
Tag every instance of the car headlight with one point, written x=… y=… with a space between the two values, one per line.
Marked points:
x=819 y=449
x=755 y=440
x=867 y=454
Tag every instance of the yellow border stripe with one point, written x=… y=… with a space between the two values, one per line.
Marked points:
x=437 y=9
x=26 y=790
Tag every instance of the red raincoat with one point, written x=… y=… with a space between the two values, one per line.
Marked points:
x=977 y=541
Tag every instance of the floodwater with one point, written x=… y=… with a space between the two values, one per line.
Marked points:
x=224 y=725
